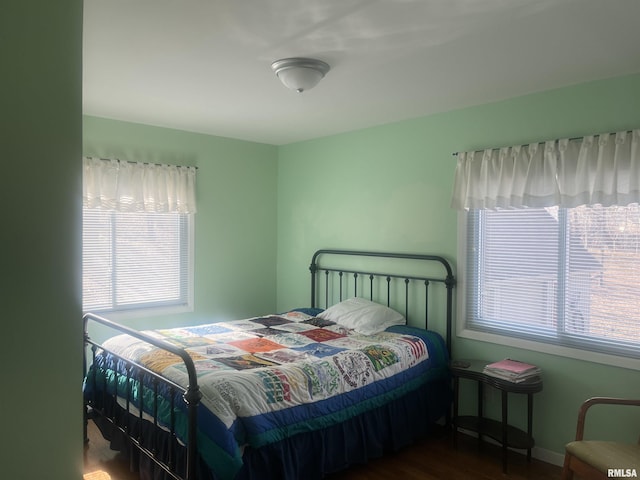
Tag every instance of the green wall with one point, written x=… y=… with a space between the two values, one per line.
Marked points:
x=40 y=155
x=235 y=226
x=389 y=188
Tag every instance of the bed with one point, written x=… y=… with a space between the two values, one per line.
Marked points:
x=303 y=393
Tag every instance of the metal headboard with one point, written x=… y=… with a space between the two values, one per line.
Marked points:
x=362 y=281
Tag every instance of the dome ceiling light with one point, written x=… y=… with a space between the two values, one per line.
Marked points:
x=300 y=74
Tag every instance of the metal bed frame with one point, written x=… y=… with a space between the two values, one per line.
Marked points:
x=191 y=395
x=448 y=280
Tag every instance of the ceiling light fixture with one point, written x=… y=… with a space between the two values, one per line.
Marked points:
x=300 y=74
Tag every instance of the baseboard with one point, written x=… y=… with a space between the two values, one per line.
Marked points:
x=549 y=456
x=542 y=454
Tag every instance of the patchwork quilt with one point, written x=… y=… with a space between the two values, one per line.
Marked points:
x=267 y=378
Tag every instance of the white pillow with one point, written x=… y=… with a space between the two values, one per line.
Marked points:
x=363 y=316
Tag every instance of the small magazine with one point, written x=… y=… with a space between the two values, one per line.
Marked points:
x=512 y=370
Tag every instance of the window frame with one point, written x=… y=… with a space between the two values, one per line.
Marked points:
x=463 y=331
x=157 y=309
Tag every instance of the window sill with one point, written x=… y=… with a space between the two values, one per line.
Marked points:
x=574 y=353
x=120 y=315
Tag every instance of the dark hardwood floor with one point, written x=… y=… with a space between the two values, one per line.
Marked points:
x=431 y=459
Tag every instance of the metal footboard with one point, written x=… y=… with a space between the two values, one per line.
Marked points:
x=144 y=378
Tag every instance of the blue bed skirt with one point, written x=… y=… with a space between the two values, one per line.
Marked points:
x=310 y=455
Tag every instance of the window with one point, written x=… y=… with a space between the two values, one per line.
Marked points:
x=136 y=260
x=568 y=276
x=137 y=236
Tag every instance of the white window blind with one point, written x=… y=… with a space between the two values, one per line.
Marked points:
x=569 y=276
x=135 y=260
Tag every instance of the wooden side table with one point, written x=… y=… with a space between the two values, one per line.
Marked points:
x=501 y=431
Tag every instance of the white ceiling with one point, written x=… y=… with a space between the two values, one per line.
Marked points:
x=204 y=65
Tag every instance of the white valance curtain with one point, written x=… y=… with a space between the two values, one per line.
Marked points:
x=598 y=169
x=138 y=187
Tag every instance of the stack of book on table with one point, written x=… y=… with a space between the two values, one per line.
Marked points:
x=512 y=370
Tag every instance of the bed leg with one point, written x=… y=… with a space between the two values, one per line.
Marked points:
x=85 y=424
